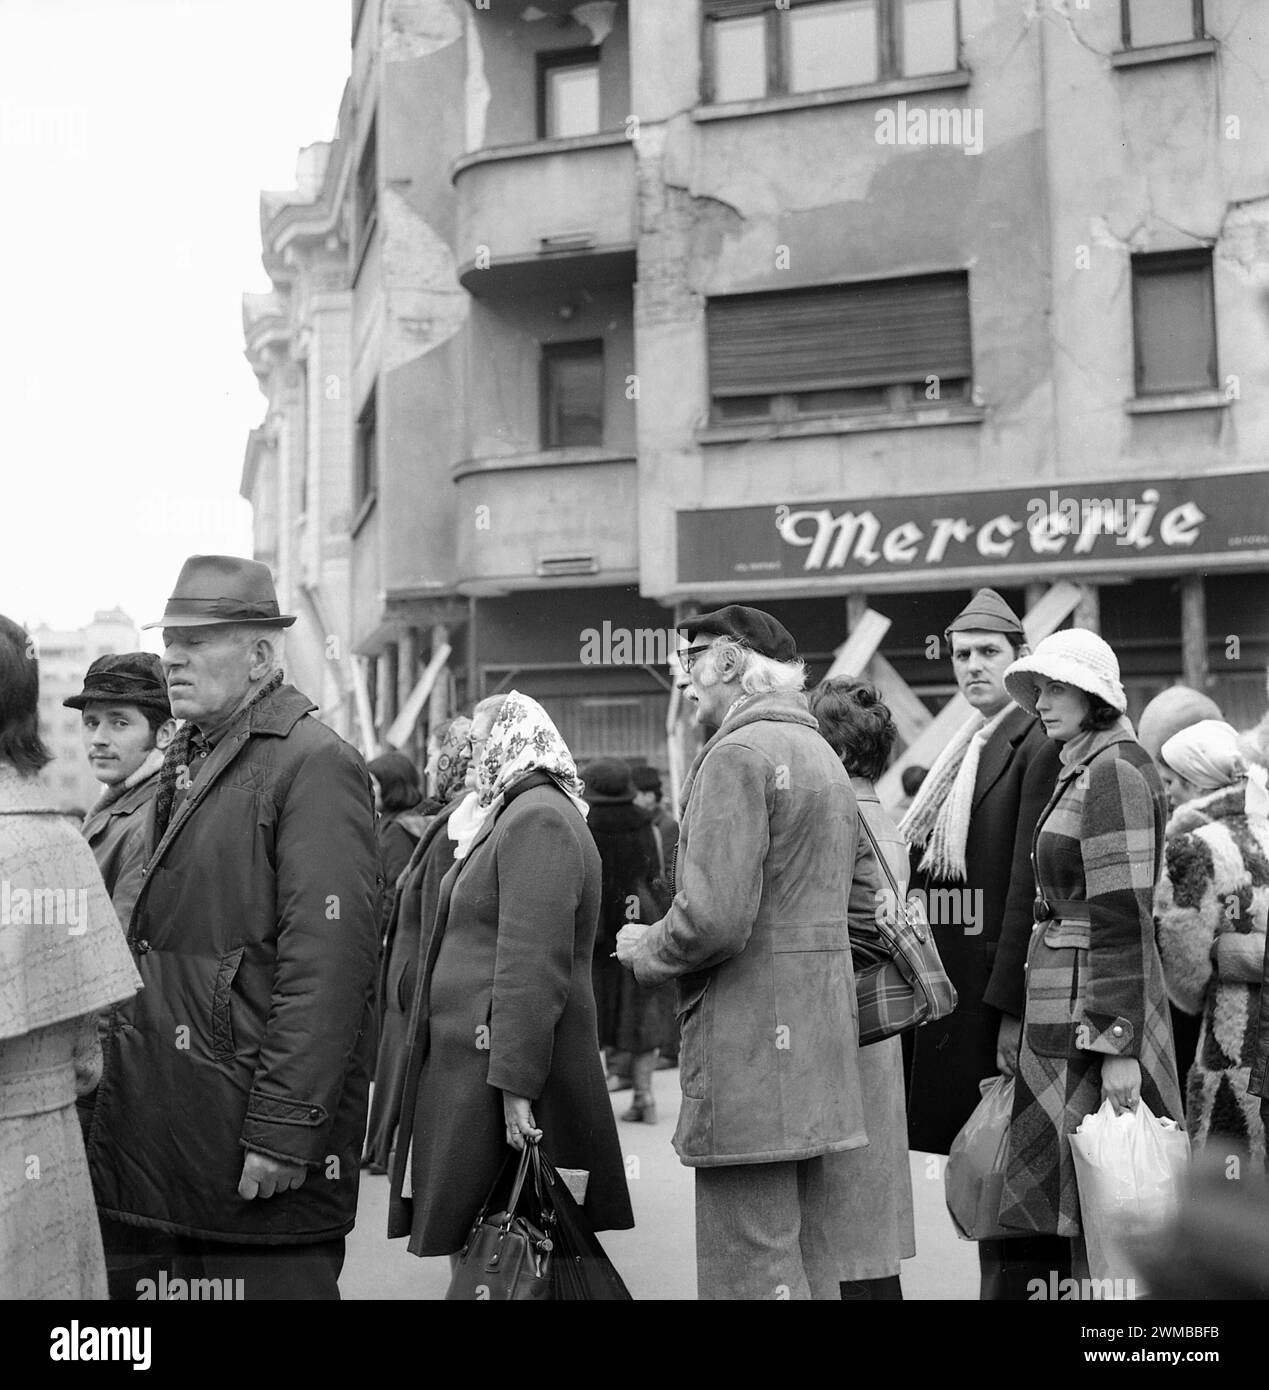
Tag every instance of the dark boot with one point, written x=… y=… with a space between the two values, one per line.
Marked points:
x=642 y=1107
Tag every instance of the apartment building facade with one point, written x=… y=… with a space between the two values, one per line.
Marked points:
x=821 y=305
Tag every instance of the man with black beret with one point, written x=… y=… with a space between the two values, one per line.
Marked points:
x=757 y=940
x=127 y=726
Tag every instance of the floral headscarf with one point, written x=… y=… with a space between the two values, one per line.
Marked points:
x=523 y=740
x=452 y=758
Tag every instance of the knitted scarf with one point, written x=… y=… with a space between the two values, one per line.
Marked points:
x=938 y=818
x=176 y=761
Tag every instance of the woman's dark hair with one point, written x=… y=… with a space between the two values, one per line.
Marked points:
x=400 y=787
x=20 y=741
x=856 y=723
x=1100 y=716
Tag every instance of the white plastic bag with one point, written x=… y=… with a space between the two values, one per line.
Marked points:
x=1129 y=1169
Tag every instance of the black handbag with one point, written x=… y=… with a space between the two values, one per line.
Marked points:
x=900 y=982
x=581 y=1271
x=508 y=1257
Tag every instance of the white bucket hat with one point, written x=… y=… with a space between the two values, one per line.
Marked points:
x=1076 y=656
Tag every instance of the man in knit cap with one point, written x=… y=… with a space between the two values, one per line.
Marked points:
x=970 y=827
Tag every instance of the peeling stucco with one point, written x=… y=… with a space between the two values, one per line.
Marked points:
x=415 y=28
x=1243 y=247
x=597 y=16
x=426 y=304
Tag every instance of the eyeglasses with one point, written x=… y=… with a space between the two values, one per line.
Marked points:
x=689 y=654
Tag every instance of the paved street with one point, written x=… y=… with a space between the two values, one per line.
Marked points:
x=657 y=1257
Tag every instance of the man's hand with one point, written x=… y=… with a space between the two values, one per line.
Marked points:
x=1007 y=1040
x=263 y=1176
x=628 y=941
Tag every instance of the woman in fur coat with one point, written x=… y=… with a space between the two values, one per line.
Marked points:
x=1211 y=914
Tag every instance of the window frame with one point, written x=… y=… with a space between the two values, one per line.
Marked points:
x=1125 y=21
x=902 y=396
x=366 y=456
x=552 y=58
x=1154 y=263
x=889 y=46
x=564 y=351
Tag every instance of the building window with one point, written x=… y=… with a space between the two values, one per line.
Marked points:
x=878 y=346
x=1174 y=322
x=366 y=453
x=754 y=49
x=1149 y=22
x=367 y=189
x=572 y=395
x=568 y=93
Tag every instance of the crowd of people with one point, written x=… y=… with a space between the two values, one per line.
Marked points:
x=198 y=987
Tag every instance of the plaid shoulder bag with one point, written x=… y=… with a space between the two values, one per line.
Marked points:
x=904 y=984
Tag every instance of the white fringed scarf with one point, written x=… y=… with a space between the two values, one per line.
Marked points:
x=939 y=815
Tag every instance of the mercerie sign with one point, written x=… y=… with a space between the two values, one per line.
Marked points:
x=1162 y=524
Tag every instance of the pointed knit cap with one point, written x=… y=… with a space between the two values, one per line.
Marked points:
x=985 y=612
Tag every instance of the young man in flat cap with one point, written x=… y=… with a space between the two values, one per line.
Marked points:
x=231 y=1113
x=127 y=726
x=757 y=941
x=970 y=826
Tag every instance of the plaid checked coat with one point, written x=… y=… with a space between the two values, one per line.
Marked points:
x=1095 y=984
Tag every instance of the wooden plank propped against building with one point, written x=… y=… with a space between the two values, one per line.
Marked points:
x=911 y=717
x=1045 y=617
x=399 y=731
x=856 y=651
x=365 y=718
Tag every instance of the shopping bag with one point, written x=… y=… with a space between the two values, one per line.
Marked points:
x=581 y=1270
x=976 y=1164
x=1129 y=1169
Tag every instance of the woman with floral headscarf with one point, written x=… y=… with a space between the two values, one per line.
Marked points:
x=411 y=913
x=504 y=1045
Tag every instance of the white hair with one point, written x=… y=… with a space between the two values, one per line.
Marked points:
x=760 y=675
x=274 y=636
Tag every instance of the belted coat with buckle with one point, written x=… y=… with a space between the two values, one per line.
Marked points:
x=757 y=939
x=1095 y=985
x=256 y=936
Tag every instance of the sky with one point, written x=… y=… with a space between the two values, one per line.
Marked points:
x=135 y=138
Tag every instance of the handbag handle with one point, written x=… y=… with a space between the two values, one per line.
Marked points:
x=881 y=858
x=518 y=1187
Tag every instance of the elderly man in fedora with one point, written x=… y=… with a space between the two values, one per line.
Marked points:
x=757 y=940
x=230 y=1116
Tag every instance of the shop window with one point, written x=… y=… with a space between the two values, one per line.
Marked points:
x=1174 y=322
x=572 y=395
x=879 y=346
x=1149 y=22
x=568 y=93
x=754 y=49
x=366 y=453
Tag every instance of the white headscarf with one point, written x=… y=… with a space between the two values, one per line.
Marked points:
x=1206 y=755
x=523 y=740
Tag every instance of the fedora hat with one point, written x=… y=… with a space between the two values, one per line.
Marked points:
x=223 y=589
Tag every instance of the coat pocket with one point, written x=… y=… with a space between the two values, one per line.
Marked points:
x=1057 y=980
x=222 y=1029
x=693 y=1041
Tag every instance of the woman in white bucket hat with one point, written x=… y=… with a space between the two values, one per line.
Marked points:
x=1096 y=1024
